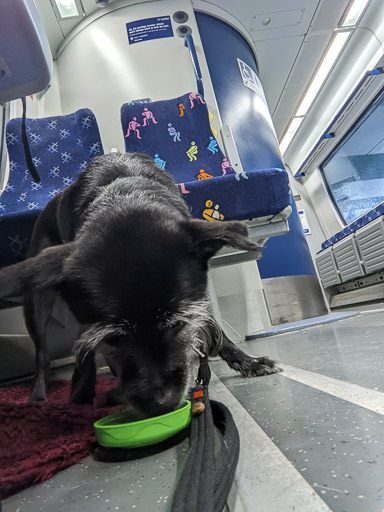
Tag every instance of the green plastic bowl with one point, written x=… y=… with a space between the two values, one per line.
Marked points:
x=116 y=432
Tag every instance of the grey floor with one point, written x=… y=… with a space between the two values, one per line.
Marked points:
x=312 y=436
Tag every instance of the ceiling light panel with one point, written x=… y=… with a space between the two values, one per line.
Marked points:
x=323 y=71
x=66 y=9
x=290 y=133
x=354 y=12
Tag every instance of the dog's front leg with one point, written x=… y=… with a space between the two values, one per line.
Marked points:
x=241 y=362
x=37 y=311
x=84 y=379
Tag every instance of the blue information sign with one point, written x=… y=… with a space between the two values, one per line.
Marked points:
x=150 y=28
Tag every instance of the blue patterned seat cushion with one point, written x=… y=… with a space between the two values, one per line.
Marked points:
x=177 y=134
x=368 y=217
x=61 y=147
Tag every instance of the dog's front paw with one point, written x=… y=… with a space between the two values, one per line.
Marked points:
x=257 y=367
x=37 y=396
x=38 y=392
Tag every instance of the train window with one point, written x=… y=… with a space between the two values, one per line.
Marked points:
x=354 y=172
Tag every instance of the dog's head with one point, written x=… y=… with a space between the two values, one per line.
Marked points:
x=143 y=304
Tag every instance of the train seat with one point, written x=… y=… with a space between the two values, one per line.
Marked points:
x=61 y=147
x=356 y=250
x=177 y=134
x=369 y=216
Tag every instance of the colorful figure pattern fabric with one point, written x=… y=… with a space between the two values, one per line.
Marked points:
x=61 y=147
x=177 y=134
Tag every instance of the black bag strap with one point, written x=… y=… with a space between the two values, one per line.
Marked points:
x=208 y=474
x=28 y=157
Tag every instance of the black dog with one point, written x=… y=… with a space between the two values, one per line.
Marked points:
x=121 y=248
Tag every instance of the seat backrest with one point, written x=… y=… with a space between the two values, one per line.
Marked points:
x=177 y=134
x=61 y=147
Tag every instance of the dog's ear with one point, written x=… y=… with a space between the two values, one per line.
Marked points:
x=41 y=271
x=209 y=237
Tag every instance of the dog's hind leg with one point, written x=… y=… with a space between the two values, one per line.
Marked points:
x=37 y=311
x=241 y=362
x=84 y=379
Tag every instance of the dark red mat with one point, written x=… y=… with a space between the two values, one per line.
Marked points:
x=39 y=439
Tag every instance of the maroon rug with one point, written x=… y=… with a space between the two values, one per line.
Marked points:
x=39 y=439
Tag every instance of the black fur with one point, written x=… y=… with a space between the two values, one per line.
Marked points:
x=121 y=248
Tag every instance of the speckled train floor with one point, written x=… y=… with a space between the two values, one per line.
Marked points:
x=312 y=437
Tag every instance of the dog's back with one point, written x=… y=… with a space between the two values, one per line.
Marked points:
x=105 y=179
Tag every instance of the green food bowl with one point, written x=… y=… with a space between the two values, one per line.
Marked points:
x=117 y=431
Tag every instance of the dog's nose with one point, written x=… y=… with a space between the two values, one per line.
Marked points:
x=162 y=402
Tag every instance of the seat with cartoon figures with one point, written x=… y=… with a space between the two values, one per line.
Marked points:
x=177 y=134
x=61 y=147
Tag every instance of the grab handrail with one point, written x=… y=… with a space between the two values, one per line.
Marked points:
x=3 y=151
x=189 y=43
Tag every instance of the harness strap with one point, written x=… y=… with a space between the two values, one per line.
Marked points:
x=204 y=373
x=28 y=157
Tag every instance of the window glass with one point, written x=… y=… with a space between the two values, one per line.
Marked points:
x=354 y=172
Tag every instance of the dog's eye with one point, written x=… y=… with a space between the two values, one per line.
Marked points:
x=177 y=326
x=174 y=370
x=178 y=373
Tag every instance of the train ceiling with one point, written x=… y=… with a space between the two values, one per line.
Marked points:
x=289 y=38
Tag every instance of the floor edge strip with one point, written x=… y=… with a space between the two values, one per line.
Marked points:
x=364 y=397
